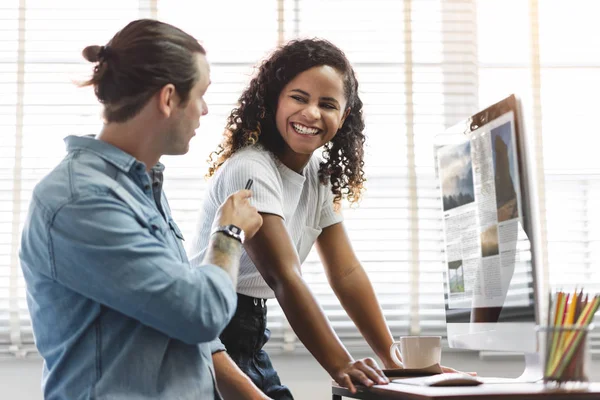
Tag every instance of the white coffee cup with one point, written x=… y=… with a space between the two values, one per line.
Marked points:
x=417 y=351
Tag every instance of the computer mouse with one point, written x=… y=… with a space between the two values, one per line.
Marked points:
x=452 y=379
x=448 y=379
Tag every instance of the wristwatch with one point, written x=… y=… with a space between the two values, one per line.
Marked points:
x=232 y=231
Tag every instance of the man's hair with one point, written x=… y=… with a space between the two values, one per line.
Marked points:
x=137 y=62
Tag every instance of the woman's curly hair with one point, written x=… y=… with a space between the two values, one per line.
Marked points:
x=253 y=121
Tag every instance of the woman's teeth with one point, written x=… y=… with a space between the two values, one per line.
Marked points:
x=304 y=130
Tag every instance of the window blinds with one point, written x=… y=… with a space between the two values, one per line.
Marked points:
x=422 y=65
x=40 y=57
x=565 y=81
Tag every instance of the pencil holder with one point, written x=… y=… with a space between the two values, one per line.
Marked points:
x=566 y=354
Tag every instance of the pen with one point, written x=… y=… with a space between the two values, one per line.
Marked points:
x=249 y=184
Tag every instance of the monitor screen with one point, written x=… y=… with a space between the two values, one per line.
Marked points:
x=486 y=201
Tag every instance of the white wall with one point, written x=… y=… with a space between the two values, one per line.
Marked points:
x=20 y=379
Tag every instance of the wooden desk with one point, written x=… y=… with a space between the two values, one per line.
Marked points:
x=521 y=391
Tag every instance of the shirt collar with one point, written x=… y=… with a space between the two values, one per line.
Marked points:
x=109 y=153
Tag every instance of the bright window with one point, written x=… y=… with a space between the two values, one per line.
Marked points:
x=422 y=65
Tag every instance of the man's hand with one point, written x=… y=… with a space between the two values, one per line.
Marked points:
x=238 y=211
x=365 y=372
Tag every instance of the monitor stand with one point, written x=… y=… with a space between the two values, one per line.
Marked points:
x=533 y=372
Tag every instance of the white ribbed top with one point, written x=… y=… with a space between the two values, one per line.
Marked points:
x=305 y=205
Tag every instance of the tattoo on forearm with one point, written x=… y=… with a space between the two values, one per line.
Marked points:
x=225 y=244
x=224 y=252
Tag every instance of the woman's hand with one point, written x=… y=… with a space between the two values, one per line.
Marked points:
x=389 y=364
x=390 y=361
x=451 y=370
x=364 y=372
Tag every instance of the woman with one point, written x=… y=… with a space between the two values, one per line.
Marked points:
x=303 y=98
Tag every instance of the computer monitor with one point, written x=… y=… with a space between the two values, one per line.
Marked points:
x=488 y=192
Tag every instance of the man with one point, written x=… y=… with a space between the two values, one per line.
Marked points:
x=117 y=311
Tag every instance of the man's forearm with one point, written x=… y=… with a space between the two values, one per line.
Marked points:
x=225 y=252
x=232 y=382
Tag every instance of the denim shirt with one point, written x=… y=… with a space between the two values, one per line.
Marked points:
x=117 y=311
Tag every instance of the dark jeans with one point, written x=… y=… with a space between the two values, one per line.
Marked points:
x=244 y=339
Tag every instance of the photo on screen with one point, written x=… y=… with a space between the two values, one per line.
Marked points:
x=504 y=172
x=456 y=172
x=456 y=276
x=489 y=242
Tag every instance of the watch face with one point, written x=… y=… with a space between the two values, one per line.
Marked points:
x=235 y=229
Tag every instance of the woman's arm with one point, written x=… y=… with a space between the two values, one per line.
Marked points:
x=232 y=382
x=347 y=278
x=275 y=256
